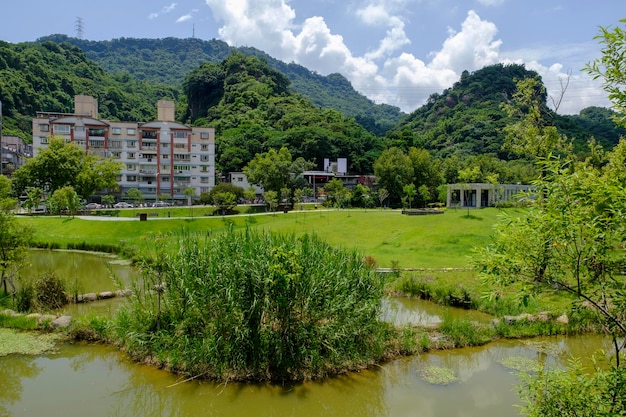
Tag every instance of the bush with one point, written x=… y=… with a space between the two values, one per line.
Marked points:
x=49 y=292
x=255 y=305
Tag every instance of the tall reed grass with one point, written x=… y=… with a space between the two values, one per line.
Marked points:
x=252 y=305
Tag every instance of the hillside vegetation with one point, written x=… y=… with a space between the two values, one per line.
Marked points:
x=252 y=101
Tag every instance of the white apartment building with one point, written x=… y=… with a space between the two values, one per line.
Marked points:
x=159 y=158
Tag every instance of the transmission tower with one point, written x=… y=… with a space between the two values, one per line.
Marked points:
x=80 y=27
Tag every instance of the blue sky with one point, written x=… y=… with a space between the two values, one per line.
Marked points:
x=393 y=51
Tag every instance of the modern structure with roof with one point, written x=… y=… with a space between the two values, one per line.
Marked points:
x=160 y=158
x=477 y=195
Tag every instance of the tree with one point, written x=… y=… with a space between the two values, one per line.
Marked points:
x=5 y=187
x=33 y=198
x=610 y=67
x=393 y=170
x=533 y=133
x=135 y=195
x=271 y=198
x=382 y=195
x=65 y=164
x=361 y=196
x=275 y=170
x=224 y=201
x=108 y=200
x=64 y=199
x=249 y=195
x=571 y=241
x=190 y=193
x=409 y=193
x=300 y=193
x=336 y=193
x=14 y=238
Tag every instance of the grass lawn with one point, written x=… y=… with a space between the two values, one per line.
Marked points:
x=431 y=241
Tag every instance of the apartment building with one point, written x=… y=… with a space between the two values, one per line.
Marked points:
x=160 y=158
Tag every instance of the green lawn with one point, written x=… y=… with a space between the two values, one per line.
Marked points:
x=431 y=241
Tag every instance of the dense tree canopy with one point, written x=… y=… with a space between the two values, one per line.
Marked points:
x=65 y=164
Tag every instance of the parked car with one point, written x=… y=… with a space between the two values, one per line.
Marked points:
x=123 y=204
x=161 y=204
x=93 y=206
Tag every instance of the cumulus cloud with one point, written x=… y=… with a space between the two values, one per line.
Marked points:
x=385 y=74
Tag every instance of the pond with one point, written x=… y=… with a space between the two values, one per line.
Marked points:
x=97 y=380
x=106 y=383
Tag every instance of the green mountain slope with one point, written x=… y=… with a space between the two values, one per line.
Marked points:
x=467 y=119
x=169 y=60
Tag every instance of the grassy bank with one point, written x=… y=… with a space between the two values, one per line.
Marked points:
x=387 y=236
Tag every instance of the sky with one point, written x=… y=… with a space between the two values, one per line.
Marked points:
x=397 y=52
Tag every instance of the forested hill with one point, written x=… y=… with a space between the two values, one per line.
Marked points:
x=169 y=60
x=467 y=118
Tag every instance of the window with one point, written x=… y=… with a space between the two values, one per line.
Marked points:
x=79 y=129
x=165 y=145
x=131 y=178
x=116 y=130
x=130 y=131
x=204 y=180
x=204 y=147
x=132 y=143
x=165 y=179
x=62 y=129
x=165 y=156
x=44 y=127
x=204 y=135
x=131 y=155
x=180 y=145
x=43 y=140
x=117 y=144
x=131 y=167
x=204 y=158
x=116 y=155
x=180 y=134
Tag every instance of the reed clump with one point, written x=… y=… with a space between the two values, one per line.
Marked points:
x=252 y=305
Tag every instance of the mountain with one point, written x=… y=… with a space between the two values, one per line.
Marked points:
x=169 y=60
x=467 y=119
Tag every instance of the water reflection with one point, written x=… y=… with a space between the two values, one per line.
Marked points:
x=105 y=382
x=407 y=311
x=83 y=271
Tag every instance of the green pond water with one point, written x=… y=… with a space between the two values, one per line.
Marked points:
x=95 y=380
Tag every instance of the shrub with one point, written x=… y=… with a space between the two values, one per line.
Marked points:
x=255 y=305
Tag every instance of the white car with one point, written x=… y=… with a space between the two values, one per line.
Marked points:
x=123 y=204
x=93 y=206
x=161 y=204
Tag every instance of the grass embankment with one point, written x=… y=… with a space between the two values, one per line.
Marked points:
x=390 y=238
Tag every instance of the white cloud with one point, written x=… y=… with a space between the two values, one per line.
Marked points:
x=164 y=10
x=385 y=74
x=183 y=18
x=169 y=8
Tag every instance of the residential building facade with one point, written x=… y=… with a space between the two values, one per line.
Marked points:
x=160 y=158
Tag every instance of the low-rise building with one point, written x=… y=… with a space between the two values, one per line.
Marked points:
x=160 y=158
x=477 y=195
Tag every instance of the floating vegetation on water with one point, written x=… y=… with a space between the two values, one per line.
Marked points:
x=26 y=343
x=438 y=375
x=518 y=363
x=542 y=346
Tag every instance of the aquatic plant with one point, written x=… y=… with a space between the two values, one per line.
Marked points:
x=255 y=305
